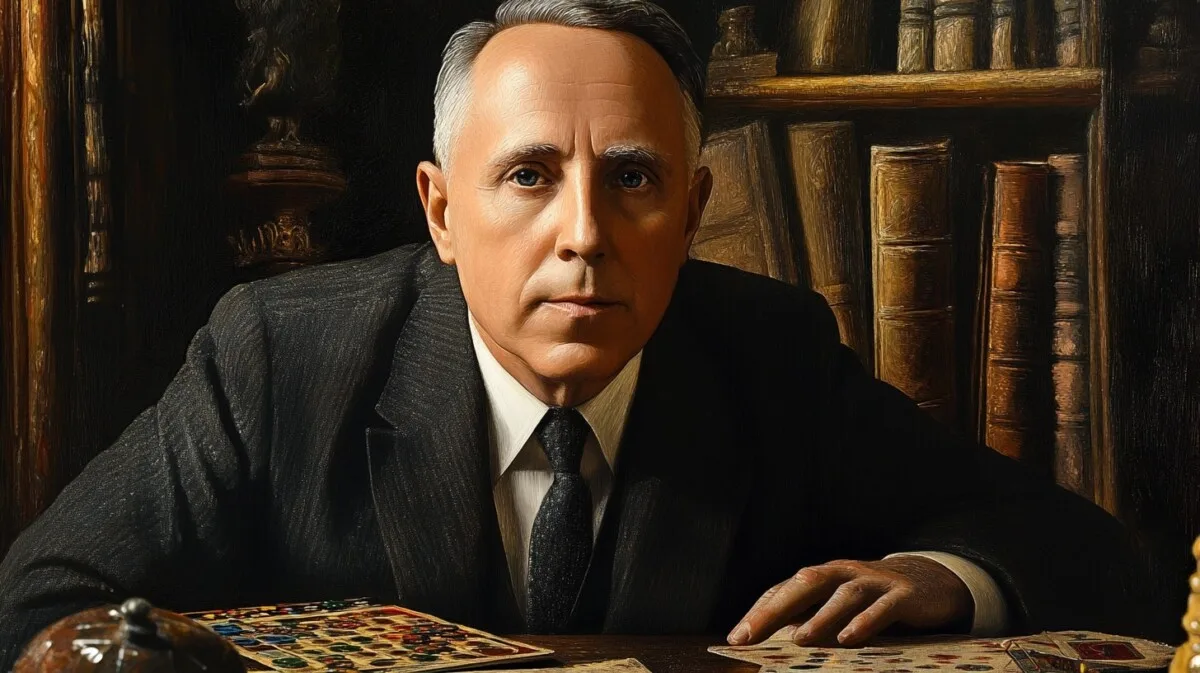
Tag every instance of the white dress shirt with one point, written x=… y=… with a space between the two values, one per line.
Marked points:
x=521 y=474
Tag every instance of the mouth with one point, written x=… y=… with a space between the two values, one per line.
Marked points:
x=582 y=305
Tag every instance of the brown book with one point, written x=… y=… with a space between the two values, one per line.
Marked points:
x=744 y=224
x=1068 y=37
x=827 y=36
x=912 y=261
x=1017 y=410
x=1005 y=34
x=825 y=171
x=956 y=34
x=1069 y=349
x=915 y=51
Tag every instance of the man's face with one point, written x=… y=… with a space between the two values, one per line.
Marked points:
x=567 y=204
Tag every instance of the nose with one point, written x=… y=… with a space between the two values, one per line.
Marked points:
x=580 y=232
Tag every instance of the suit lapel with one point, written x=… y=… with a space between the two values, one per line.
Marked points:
x=430 y=474
x=680 y=490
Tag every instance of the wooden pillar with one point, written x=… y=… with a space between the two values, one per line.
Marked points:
x=36 y=91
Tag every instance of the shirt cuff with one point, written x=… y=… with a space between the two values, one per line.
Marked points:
x=991 y=612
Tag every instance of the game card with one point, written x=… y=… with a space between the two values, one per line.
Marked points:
x=357 y=635
x=948 y=654
x=610 y=666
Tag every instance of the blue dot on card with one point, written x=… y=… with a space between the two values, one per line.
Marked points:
x=276 y=640
x=244 y=641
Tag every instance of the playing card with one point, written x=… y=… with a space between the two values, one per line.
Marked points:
x=610 y=666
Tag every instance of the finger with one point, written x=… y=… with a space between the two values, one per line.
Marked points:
x=880 y=615
x=846 y=602
x=741 y=632
x=807 y=587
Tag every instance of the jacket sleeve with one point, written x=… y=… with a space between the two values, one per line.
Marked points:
x=161 y=513
x=1060 y=561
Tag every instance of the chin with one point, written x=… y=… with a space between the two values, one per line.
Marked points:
x=575 y=361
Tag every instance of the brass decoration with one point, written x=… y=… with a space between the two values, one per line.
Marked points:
x=288 y=73
x=131 y=638
x=97 y=268
x=737 y=54
x=1187 y=657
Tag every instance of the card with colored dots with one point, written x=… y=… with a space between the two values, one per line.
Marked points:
x=357 y=635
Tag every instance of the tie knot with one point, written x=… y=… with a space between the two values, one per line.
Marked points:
x=563 y=432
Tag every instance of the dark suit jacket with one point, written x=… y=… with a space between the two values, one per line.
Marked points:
x=327 y=437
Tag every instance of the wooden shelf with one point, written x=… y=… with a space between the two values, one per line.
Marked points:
x=1043 y=87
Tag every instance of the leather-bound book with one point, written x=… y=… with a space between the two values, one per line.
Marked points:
x=826 y=36
x=1018 y=411
x=745 y=225
x=956 y=33
x=1005 y=35
x=915 y=51
x=1068 y=37
x=825 y=171
x=912 y=272
x=1069 y=349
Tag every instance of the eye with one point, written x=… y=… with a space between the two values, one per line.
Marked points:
x=526 y=177
x=631 y=179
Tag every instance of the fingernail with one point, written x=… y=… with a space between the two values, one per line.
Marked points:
x=740 y=635
x=800 y=634
x=845 y=635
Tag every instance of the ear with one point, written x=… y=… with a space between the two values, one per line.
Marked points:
x=701 y=189
x=431 y=185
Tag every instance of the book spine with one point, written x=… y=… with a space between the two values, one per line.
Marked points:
x=915 y=51
x=1069 y=351
x=1004 y=35
x=912 y=273
x=955 y=36
x=825 y=172
x=828 y=36
x=1068 y=37
x=1019 y=415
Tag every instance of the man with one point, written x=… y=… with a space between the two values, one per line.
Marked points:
x=550 y=420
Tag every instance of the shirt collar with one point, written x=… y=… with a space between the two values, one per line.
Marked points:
x=515 y=412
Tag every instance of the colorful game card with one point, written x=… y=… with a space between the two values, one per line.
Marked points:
x=357 y=635
x=1058 y=652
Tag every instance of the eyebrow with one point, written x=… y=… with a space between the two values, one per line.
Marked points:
x=636 y=154
x=522 y=154
x=615 y=154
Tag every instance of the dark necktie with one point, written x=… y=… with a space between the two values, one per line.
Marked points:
x=561 y=545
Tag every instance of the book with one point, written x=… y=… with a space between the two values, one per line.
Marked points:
x=1069 y=349
x=1005 y=35
x=955 y=34
x=736 y=54
x=357 y=634
x=915 y=50
x=1017 y=413
x=1068 y=36
x=827 y=36
x=825 y=172
x=745 y=225
x=912 y=261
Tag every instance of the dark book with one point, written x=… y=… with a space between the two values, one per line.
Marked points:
x=1068 y=36
x=915 y=50
x=825 y=172
x=1069 y=349
x=744 y=224
x=912 y=261
x=826 y=36
x=956 y=34
x=1017 y=411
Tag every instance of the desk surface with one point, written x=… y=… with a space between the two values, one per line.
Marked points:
x=661 y=654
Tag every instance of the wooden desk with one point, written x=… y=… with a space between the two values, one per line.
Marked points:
x=661 y=654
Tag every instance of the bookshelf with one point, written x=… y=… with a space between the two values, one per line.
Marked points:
x=990 y=116
x=1042 y=87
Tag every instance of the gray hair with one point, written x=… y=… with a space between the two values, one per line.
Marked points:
x=641 y=18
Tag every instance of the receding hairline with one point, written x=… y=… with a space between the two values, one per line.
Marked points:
x=632 y=42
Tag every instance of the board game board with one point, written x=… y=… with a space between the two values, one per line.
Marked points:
x=350 y=635
x=1057 y=652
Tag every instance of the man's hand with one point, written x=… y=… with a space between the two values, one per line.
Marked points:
x=860 y=600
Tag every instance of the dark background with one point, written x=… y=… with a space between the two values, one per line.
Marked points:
x=176 y=130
